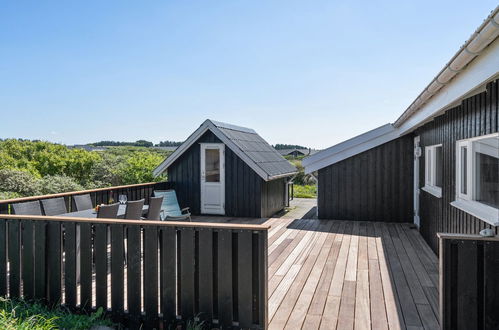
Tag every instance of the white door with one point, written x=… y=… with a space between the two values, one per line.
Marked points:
x=417 y=155
x=212 y=178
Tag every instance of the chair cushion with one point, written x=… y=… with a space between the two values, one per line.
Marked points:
x=170 y=205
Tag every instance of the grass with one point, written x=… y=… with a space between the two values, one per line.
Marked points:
x=19 y=314
x=306 y=191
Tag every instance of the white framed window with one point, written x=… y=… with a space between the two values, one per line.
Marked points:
x=433 y=170
x=477 y=177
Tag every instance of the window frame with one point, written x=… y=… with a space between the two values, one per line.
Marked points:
x=466 y=201
x=431 y=171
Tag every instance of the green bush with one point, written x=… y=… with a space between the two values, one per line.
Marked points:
x=301 y=178
x=30 y=168
x=52 y=184
x=18 y=182
x=139 y=167
x=308 y=191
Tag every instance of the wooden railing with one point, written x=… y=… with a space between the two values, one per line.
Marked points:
x=142 y=272
x=469 y=281
x=99 y=196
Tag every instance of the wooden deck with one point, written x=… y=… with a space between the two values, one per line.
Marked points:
x=327 y=274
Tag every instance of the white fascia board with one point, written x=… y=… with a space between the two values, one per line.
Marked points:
x=350 y=148
x=476 y=74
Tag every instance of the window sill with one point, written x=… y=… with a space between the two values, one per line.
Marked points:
x=479 y=210
x=435 y=191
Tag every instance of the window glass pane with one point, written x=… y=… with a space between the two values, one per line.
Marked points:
x=438 y=166
x=464 y=169
x=487 y=171
x=212 y=165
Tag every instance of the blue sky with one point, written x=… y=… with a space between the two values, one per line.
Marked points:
x=304 y=72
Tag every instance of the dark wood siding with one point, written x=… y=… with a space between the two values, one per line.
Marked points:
x=376 y=185
x=242 y=184
x=273 y=197
x=475 y=116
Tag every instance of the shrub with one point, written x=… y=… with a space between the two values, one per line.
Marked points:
x=301 y=178
x=138 y=168
x=308 y=191
x=52 y=184
x=19 y=182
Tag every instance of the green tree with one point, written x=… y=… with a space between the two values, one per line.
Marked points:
x=138 y=168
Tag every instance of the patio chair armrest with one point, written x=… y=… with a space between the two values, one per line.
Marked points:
x=186 y=209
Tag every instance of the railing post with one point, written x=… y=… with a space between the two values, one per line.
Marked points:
x=3 y=257
x=263 y=308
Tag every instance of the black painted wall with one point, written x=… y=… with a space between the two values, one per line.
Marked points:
x=476 y=116
x=376 y=185
x=273 y=196
x=246 y=193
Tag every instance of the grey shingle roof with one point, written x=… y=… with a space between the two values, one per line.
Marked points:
x=256 y=149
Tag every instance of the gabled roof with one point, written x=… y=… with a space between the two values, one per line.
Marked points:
x=260 y=156
x=285 y=152
x=350 y=147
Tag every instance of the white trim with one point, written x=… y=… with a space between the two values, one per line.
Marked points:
x=221 y=183
x=475 y=47
x=349 y=148
x=435 y=191
x=460 y=145
x=466 y=201
x=479 y=210
x=479 y=72
x=431 y=171
x=208 y=125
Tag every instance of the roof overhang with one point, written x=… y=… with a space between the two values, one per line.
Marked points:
x=209 y=126
x=349 y=148
x=470 y=81
x=473 y=65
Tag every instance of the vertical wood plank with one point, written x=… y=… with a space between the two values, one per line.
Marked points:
x=3 y=257
x=466 y=290
x=491 y=285
x=151 y=275
x=40 y=253
x=224 y=274
x=187 y=279
x=134 y=271
x=85 y=265
x=168 y=271
x=117 y=270
x=70 y=264
x=54 y=262
x=205 y=274
x=100 y=257
x=262 y=261
x=14 y=249
x=244 y=279
x=28 y=257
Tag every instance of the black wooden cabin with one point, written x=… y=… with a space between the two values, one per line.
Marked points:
x=228 y=170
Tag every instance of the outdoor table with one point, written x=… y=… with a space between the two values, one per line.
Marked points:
x=91 y=213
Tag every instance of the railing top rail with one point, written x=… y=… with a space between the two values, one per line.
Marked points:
x=457 y=236
x=139 y=222
x=72 y=193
